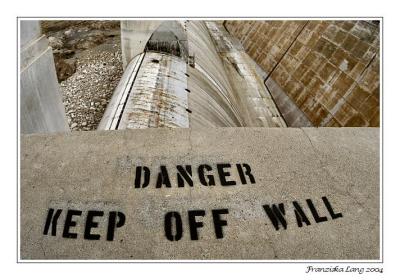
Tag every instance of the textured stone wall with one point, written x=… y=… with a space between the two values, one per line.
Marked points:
x=329 y=69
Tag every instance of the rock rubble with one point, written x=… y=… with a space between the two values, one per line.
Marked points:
x=88 y=91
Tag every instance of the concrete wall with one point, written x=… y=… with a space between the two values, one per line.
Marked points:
x=97 y=171
x=40 y=98
x=328 y=69
x=252 y=98
x=134 y=37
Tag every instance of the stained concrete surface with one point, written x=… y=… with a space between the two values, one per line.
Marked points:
x=96 y=171
x=253 y=99
x=221 y=88
x=159 y=96
x=134 y=37
x=293 y=116
x=329 y=69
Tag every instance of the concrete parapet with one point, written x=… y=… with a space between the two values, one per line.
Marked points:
x=226 y=193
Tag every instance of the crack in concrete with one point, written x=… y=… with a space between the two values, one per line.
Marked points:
x=271 y=245
x=314 y=149
x=189 y=152
x=346 y=191
x=41 y=247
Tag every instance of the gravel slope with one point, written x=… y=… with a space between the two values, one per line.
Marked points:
x=87 y=92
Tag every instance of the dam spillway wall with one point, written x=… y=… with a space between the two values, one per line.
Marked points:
x=327 y=70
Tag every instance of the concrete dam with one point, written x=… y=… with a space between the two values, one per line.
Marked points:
x=193 y=74
x=220 y=140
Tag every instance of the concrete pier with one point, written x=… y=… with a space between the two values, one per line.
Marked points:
x=40 y=98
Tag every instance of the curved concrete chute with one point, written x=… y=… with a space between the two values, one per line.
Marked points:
x=190 y=74
x=151 y=93
x=113 y=113
x=210 y=84
x=158 y=97
x=207 y=104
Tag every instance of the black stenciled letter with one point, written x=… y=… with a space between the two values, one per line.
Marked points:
x=247 y=172
x=210 y=178
x=218 y=223
x=168 y=226
x=91 y=224
x=51 y=220
x=163 y=178
x=314 y=212
x=113 y=224
x=184 y=174
x=193 y=224
x=276 y=215
x=300 y=216
x=223 y=174
x=330 y=209
x=138 y=176
x=70 y=223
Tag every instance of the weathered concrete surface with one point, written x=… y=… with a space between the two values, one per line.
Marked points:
x=113 y=113
x=134 y=37
x=329 y=69
x=212 y=98
x=136 y=34
x=29 y=30
x=158 y=96
x=96 y=171
x=293 y=116
x=40 y=99
x=170 y=37
x=221 y=88
x=255 y=102
x=152 y=93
